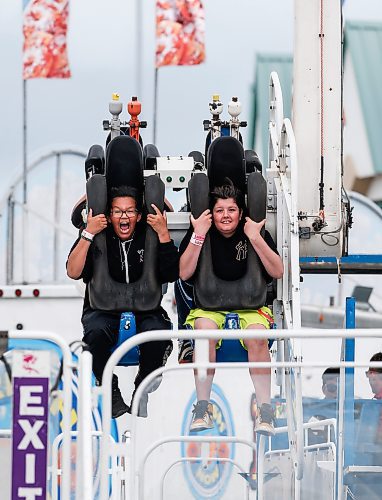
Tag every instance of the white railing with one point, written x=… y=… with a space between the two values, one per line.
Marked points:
x=282 y=192
x=297 y=446
x=197 y=459
x=87 y=474
x=329 y=423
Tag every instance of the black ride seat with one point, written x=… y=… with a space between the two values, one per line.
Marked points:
x=226 y=159
x=124 y=166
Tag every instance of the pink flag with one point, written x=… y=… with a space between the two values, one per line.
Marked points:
x=45 y=26
x=180 y=32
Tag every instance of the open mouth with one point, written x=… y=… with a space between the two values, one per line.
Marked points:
x=124 y=227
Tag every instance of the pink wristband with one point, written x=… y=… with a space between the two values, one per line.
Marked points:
x=197 y=239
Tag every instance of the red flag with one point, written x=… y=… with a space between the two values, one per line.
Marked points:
x=180 y=32
x=45 y=26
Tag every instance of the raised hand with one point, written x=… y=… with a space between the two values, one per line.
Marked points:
x=96 y=224
x=203 y=223
x=252 y=229
x=158 y=222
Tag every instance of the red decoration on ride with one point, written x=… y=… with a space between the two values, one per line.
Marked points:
x=134 y=108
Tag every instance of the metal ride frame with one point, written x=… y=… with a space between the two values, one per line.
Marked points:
x=67 y=397
x=135 y=475
x=8 y=204
x=282 y=185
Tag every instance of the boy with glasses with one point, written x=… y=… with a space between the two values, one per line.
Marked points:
x=125 y=239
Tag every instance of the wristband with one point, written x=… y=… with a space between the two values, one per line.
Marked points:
x=85 y=235
x=197 y=239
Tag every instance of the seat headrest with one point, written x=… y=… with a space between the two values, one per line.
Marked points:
x=150 y=154
x=225 y=158
x=124 y=163
x=95 y=161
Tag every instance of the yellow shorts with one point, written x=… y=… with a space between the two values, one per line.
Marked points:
x=247 y=318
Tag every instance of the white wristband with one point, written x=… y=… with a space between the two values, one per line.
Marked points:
x=87 y=236
x=197 y=239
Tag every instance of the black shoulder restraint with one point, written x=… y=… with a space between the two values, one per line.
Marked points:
x=124 y=166
x=226 y=159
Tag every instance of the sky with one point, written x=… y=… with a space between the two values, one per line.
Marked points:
x=102 y=45
x=103 y=58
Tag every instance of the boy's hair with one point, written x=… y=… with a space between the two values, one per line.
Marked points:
x=126 y=191
x=376 y=357
x=228 y=190
x=331 y=372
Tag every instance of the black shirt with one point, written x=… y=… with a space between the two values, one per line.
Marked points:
x=229 y=255
x=131 y=252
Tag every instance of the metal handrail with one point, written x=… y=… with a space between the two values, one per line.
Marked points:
x=197 y=459
x=212 y=334
x=182 y=439
x=56 y=471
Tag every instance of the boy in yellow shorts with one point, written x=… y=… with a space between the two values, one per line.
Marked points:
x=230 y=237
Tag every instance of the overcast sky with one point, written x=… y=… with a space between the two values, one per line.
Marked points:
x=102 y=44
x=103 y=56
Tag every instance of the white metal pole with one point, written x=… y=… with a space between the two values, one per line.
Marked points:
x=84 y=472
x=24 y=277
x=139 y=48
x=155 y=106
x=57 y=211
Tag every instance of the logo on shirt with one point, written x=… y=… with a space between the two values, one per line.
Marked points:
x=140 y=253
x=241 y=250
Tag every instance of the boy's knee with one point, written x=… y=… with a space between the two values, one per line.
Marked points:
x=99 y=338
x=205 y=324
x=93 y=335
x=256 y=344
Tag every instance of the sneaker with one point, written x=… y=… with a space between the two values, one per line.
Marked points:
x=142 y=407
x=186 y=351
x=265 y=420
x=202 y=416
x=118 y=406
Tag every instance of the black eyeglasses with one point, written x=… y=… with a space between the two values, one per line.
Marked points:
x=131 y=212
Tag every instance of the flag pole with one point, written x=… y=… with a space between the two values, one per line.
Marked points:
x=25 y=187
x=155 y=106
x=25 y=166
x=139 y=50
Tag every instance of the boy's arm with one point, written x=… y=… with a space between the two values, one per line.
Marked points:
x=77 y=257
x=189 y=258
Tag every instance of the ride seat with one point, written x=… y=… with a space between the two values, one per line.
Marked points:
x=226 y=159
x=124 y=166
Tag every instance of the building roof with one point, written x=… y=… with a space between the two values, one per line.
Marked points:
x=265 y=64
x=363 y=41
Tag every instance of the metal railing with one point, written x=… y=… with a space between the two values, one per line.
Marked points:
x=297 y=446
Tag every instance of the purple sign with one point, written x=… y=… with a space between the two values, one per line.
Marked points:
x=30 y=437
